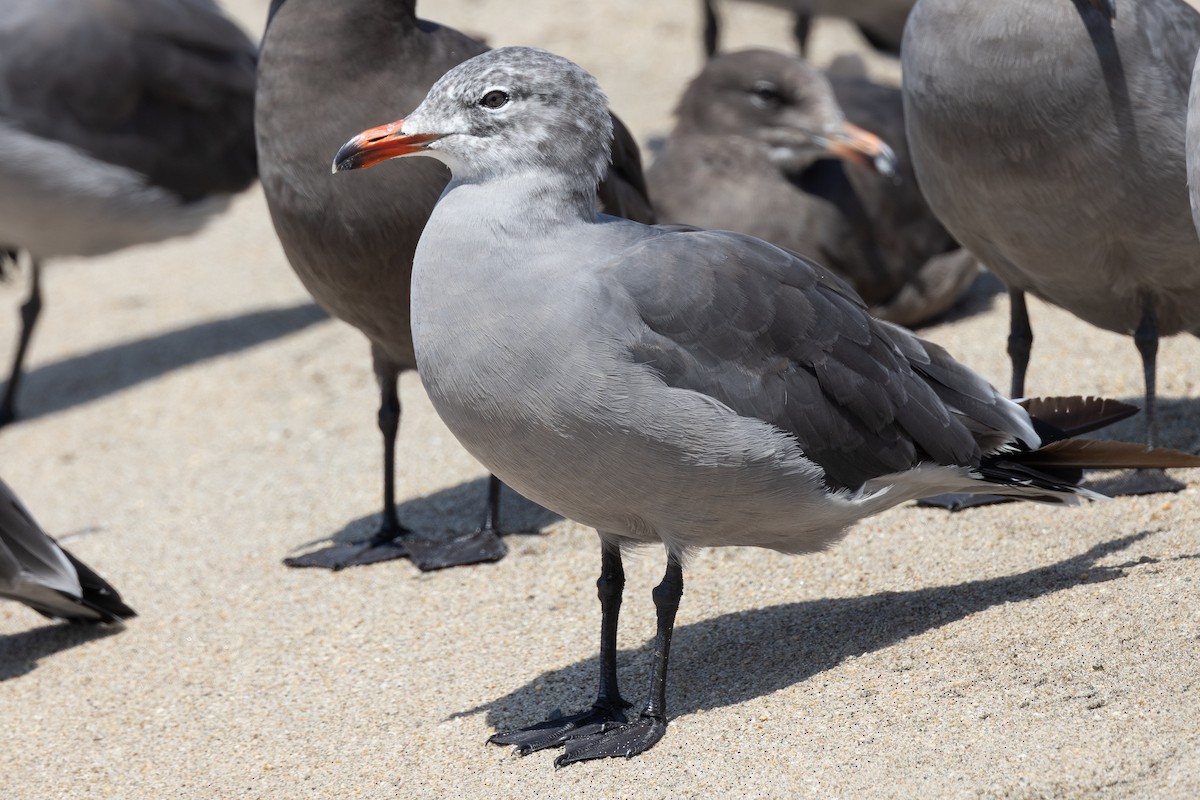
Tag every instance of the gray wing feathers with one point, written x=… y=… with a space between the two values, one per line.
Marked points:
x=773 y=336
x=27 y=553
x=162 y=87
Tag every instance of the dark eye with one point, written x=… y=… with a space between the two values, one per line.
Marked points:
x=765 y=94
x=494 y=99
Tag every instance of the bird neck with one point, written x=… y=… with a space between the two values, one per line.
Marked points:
x=523 y=203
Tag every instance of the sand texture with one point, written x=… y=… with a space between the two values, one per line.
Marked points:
x=190 y=417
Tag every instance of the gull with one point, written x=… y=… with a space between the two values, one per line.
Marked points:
x=323 y=74
x=767 y=144
x=122 y=122
x=37 y=571
x=670 y=386
x=1048 y=136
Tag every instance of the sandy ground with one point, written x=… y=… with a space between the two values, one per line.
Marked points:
x=199 y=418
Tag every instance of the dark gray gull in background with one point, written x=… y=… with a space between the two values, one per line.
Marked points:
x=1048 y=136
x=691 y=388
x=122 y=122
x=36 y=571
x=881 y=22
x=328 y=70
x=760 y=145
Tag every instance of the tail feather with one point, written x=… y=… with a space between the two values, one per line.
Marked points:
x=1057 y=466
x=1103 y=454
x=1057 y=418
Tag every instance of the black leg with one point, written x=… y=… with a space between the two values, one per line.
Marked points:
x=392 y=539
x=491 y=516
x=1020 y=340
x=389 y=426
x=801 y=28
x=1146 y=339
x=609 y=708
x=711 y=28
x=30 y=310
x=633 y=738
x=1147 y=481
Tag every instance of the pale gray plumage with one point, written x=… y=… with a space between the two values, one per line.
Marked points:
x=122 y=122
x=1050 y=141
x=36 y=571
x=1193 y=145
x=685 y=387
x=328 y=70
x=747 y=155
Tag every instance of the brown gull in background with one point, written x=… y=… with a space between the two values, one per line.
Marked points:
x=328 y=70
x=760 y=147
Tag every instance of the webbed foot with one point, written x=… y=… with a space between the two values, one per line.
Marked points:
x=613 y=741
x=558 y=729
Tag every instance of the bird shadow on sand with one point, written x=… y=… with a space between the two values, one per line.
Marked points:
x=438 y=520
x=21 y=652
x=736 y=657
x=84 y=378
x=1178 y=427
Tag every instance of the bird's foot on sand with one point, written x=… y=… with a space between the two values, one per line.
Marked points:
x=390 y=541
x=396 y=541
x=558 y=729
x=613 y=741
x=476 y=547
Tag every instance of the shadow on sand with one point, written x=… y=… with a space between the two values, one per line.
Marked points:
x=91 y=376
x=20 y=652
x=449 y=511
x=736 y=657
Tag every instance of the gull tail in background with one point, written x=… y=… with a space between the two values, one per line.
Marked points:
x=36 y=571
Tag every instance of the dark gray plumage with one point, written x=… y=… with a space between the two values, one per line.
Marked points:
x=683 y=387
x=1049 y=138
x=121 y=122
x=753 y=150
x=328 y=70
x=36 y=571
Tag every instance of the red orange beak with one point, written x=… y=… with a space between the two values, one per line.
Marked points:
x=380 y=144
x=862 y=147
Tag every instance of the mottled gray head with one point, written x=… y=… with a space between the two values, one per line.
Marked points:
x=784 y=103
x=508 y=111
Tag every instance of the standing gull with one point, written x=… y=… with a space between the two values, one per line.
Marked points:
x=691 y=388
x=1048 y=135
x=122 y=122
x=768 y=145
x=327 y=70
x=36 y=571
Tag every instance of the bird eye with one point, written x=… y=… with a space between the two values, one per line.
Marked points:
x=494 y=99
x=765 y=94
